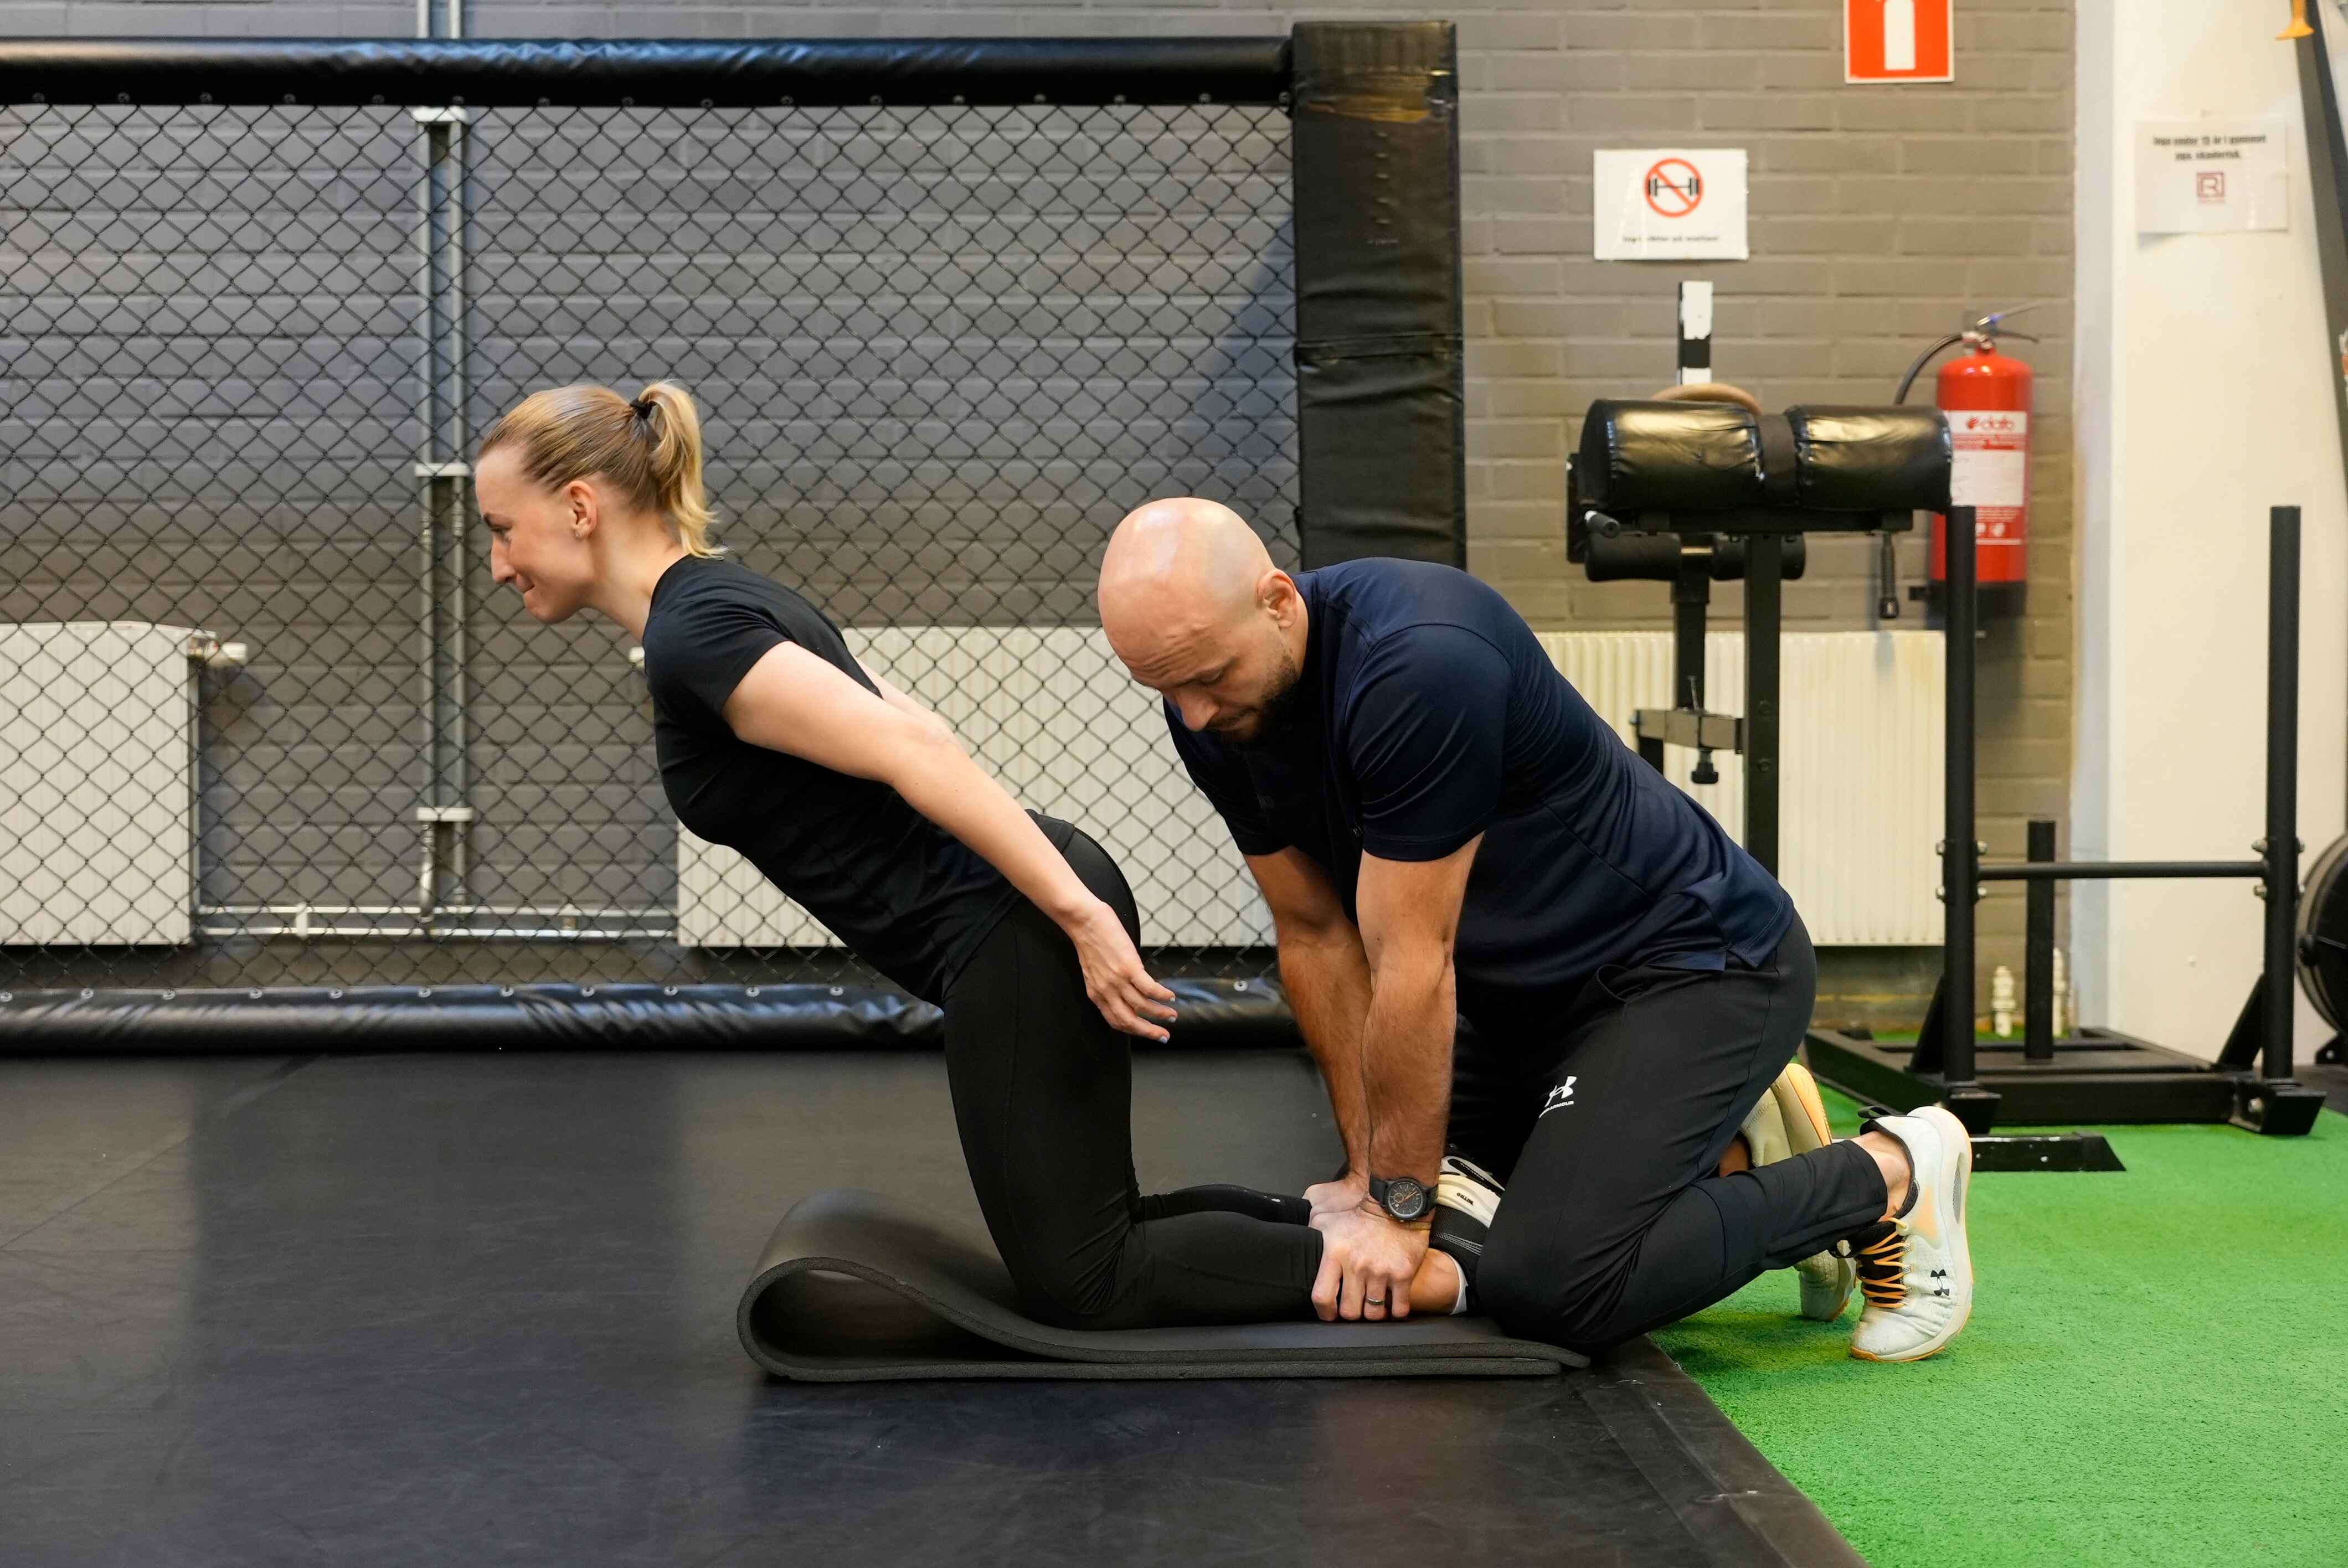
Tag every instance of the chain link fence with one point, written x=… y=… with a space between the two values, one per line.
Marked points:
x=265 y=722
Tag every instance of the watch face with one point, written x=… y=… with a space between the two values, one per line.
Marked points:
x=1406 y=1199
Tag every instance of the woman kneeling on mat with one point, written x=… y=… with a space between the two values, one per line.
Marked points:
x=858 y=802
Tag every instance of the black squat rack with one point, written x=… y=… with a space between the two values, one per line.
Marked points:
x=2096 y=1074
x=1693 y=492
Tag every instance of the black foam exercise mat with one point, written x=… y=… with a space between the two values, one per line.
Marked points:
x=854 y=1287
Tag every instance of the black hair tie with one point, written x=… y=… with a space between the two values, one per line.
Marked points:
x=644 y=408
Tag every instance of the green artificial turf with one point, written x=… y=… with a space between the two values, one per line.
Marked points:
x=2156 y=1371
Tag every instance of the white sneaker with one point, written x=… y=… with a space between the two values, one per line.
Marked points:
x=1915 y=1269
x=1791 y=1120
x=1467 y=1200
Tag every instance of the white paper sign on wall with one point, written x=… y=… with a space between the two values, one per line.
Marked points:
x=2211 y=176
x=1669 y=204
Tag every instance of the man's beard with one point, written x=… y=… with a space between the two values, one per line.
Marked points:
x=1282 y=710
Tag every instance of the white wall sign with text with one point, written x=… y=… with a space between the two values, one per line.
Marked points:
x=1899 y=41
x=2211 y=176
x=1669 y=204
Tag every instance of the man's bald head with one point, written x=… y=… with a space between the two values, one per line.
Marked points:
x=1177 y=562
x=1194 y=606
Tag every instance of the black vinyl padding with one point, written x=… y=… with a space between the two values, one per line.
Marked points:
x=1681 y=457
x=645 y=73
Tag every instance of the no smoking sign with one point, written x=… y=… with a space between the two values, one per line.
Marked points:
x=1669 y=204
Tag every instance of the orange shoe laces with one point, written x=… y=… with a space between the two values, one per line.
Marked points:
x=1882 y=1266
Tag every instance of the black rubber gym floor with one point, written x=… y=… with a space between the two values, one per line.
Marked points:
x=479 y=1309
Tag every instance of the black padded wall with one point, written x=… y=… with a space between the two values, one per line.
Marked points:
x=1379 y=353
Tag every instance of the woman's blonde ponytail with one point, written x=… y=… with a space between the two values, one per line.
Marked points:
x=675 y=427
x=648 y=449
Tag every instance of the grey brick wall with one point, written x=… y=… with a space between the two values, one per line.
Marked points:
x=1880 y=215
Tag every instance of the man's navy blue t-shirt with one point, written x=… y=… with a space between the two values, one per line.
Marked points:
x=1426 y=714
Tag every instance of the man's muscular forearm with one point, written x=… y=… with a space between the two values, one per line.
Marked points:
x=1409 y=920
x=1328 y=984
x=1406 y=1041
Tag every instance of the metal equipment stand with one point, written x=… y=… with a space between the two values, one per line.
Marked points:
x=1692 y=562
x=2097 y=1075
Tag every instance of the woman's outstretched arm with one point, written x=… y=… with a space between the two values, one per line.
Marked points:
x=889 y=694
x=793 y=701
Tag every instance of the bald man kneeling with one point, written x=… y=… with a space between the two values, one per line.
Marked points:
x=1447 y=836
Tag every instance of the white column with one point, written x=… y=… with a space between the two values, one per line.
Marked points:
x=2205 y=396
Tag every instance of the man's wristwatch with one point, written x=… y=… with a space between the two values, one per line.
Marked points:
x=1404 y=1198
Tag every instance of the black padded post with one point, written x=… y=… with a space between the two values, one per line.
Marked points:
x=1381 y=398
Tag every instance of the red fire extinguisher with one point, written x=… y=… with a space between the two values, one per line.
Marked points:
x=1987 y=398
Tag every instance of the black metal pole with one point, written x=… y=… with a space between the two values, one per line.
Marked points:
x=2118 y=870
x=2281 y=848
x=1959 y=859
x=1691 y=602
x=2038 y=955
x=1691 y=609
x=1765 y=559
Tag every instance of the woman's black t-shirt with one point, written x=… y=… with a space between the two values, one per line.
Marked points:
x=907 y=896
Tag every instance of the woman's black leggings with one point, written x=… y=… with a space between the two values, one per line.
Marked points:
x=1043 y=1090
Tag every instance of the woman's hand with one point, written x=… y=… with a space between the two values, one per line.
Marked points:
x=1114 y=977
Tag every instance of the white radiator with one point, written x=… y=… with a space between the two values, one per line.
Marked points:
x=97 y=784
x=1050 y=712
x=1862 y=769
x=1053 y=714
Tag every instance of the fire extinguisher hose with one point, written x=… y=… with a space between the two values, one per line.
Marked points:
x=1908 y=381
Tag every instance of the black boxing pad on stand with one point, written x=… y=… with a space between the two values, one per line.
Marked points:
x=1686 y=458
